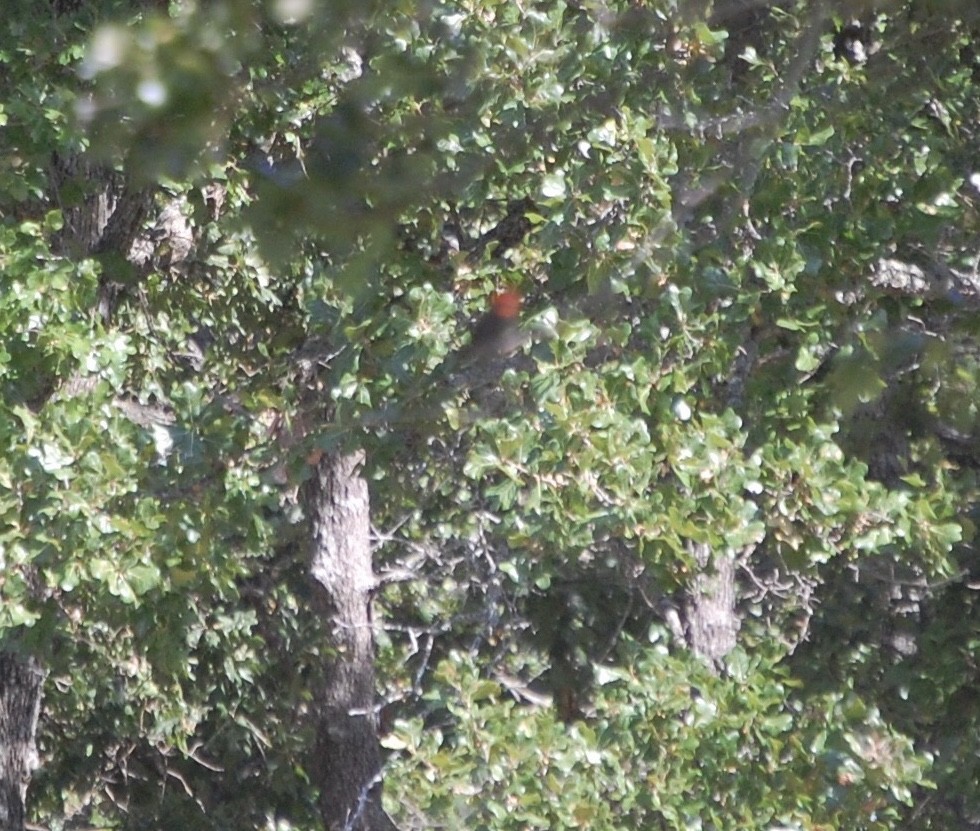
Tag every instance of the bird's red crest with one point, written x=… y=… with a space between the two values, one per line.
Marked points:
x=506 y=303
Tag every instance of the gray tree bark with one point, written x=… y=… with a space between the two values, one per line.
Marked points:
x=347 y=764
x=711 y=622
x=21 y=682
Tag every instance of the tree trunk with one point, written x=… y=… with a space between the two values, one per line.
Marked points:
x=347 y=756
x=21 y=680
x=106 y=223
x=710 y=619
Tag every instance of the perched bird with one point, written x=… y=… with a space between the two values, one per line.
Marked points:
x=496 y=334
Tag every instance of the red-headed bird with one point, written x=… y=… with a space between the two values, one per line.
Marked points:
x=497 y=334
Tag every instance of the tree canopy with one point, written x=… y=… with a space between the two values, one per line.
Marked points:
x=699 y=555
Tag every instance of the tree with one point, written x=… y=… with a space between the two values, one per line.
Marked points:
x=621 y=578
x=347 y=755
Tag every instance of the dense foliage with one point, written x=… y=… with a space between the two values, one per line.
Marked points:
x=749 y=263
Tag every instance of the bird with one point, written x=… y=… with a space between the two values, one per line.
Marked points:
x=497 y=333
